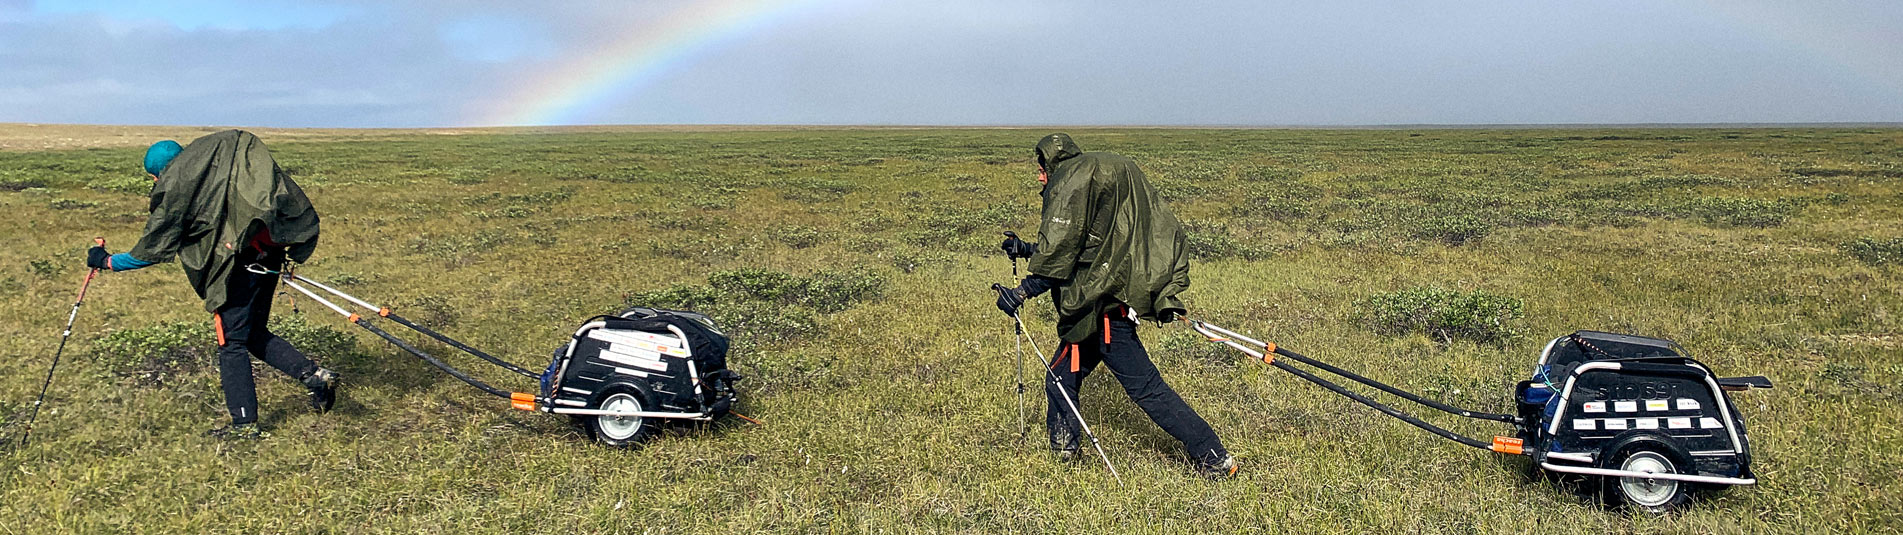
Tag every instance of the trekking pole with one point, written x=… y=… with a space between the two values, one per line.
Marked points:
x=1066 y=395
x=1024 y=429
x=68 y=333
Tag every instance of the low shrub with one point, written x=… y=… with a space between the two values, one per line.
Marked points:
x=71 y=204
x=128 y=185
x=1280 y=202
x=763 y=306
x=797 y=236
x=1741 y=211
x=1269 y=174
x=712 y=198
x=1874 y=251
x=45 y=268
x=816 y=190
x=1171 y=189
x=1456 y=229
x=159 y=355
x=1441 y=313
x=912 y=259
x=155 y=355
x=1212 y=242
x=11 y=183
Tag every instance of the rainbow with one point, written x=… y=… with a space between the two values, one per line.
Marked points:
x=644 y=55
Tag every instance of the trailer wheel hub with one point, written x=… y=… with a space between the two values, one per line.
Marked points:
x=1644 y=491
x=620 y=427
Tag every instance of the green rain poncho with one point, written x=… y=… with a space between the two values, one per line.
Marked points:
x=223 y=191
x=1108 y=236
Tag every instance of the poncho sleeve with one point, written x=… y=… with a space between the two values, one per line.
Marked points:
x=166 y=228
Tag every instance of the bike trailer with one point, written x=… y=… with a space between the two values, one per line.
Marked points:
x=1604 y=404
x=1634 y=414
x=618 y=374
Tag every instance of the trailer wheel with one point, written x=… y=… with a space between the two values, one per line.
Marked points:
x=1656 y=496
x=621 y=431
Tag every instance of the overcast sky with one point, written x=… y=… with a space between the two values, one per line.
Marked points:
x=950 y=62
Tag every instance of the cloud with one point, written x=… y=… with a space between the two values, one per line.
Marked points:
x=362 y=63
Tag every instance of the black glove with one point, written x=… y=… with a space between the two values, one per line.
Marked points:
x=1166 y=316
x=1016 y=248
x=96 y=257
x=1009 y=299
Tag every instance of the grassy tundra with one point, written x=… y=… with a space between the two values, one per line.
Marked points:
x=852 y=266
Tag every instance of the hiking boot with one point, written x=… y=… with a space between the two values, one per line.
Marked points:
x=244 y=431
x=1064 y=445
x=1065 y=455
x=323 y=385
x=1223 y=469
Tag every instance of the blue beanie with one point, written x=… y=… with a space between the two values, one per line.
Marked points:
x=160 y=155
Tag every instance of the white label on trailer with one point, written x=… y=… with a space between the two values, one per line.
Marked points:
x=1709 y=423
x=1625 y=406
x=634 y=350
x=634 y=360
x=636 y=373
x=1615 y=424
x=1646 y=423
x=627 y=338
x=1679 y=423
x=1656 y=405
x=1687 y=404
x=630 y=357
x=645 y=336
x=1582 y=424
x=1595 y=406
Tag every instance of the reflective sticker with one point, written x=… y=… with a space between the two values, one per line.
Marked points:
x=1710 y=423
x=1656 y=405
x=1615 y=424
x=628 y=360
x=1646 y=423
x=1687 y=404
x=1595 y=406
x=1582 y=424
x=1625 y=406
x=1679 y=423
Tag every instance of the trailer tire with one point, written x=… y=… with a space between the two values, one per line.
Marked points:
x=621 y=431
x=1646 y=453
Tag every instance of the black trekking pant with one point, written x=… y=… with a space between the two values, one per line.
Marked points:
x=243 y=334
x=1131 y=365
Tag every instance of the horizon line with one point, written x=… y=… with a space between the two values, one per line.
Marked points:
x=1005 y=126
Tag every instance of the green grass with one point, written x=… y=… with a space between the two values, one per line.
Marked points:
x=1763 y=251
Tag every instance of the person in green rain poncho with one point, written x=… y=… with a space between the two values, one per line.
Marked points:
x=1110 y=253
x=220 y=205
